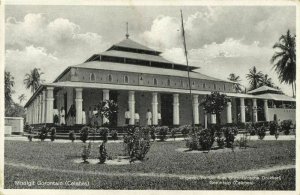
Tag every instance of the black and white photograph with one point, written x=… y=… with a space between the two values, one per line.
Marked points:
x=135 y=96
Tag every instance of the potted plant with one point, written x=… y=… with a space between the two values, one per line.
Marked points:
x=102 y=153
x=261 y=132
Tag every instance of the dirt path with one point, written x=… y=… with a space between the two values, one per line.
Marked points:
x=235 y=175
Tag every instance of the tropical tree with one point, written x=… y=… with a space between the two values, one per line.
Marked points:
x=284 y=59
x=255 y=78
x=215 y=103
x=237 y=86
x=9 y=84
x=33 y=79
x=266 y=81
x=21 y=98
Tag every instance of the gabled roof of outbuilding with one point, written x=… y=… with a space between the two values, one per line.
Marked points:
x=262 y=89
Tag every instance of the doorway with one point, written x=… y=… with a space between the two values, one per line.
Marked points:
x=166 y=109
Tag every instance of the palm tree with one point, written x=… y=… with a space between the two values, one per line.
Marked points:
x=9 y=84
x=21 y=98
x=267 y=81
x=254 y=77
x=284 y=60
x=33 y=79
x=232 y=77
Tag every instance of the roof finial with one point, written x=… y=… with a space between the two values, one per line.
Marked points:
x=127 y=35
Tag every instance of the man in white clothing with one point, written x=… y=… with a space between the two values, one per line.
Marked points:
x=137 y=118
x=149 y=117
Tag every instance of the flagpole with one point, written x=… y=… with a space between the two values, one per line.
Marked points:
x=188 y=70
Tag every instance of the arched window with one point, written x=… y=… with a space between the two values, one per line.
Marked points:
x=224 y=87
x=204 y=85
x=169 y=82
x=181 y=83
x=126 y=79
x=215 y=86
x=193 y=84
x=155 y=81
x=92 y=77
x=110 y=78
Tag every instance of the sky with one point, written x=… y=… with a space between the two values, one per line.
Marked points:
x=220 y=39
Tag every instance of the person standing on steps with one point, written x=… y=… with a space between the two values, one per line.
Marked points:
x=149 y=117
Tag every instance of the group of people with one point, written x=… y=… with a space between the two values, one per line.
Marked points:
x=60 y=116
x=137 y=117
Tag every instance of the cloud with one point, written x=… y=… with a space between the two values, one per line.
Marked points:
x=20 y=62
x=49 y=45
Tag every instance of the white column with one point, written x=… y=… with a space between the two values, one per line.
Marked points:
x=105 y=97
x=229 y=113
x=196 y=109
x=205 y=121
x=49 y=106
x=266 y=110
x=243 y=111
x=175 y=109
x=254 y=110
x=131 y=104
x=44 y=107
x=154 y=109
x=78 y=102
x=39 y=108
x=213 y=118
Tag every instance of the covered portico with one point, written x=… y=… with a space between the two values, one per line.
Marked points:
x=174 y=105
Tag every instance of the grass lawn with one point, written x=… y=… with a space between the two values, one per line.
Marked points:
x=162 y=158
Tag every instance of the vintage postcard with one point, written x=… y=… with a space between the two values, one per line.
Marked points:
x=148 y=95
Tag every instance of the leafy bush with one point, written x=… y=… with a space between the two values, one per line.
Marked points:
x=261 y=132
x=86 y=152
x=84 y=134
x=243 y=142
x=72 y=135
x=114 y=134
x=162 y=132
x=52 y=133
x=44 y=133
x=286 y=126
x=137 y=143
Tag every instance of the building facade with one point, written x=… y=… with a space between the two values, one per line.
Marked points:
x=141 y=81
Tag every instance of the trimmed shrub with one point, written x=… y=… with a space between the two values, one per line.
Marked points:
x=102 y=153
x=273 y=127
x=86 y=152
x=103 y=131
x=137 y=143
x=72 y=135
x=84 y=134
x=286 y=126
x=44 y=133
x=52 y=133
x=206 y=139
x=229 y=134
x=220 y=137
x=114 y=134
x=185 y=130
x=162 y=132
x=193 y=142
x=261 y=132
x=173 y=133
x=152 y=133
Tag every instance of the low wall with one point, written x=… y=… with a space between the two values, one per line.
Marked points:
x=16 y=123
x=283 y=114
x=7 y=130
